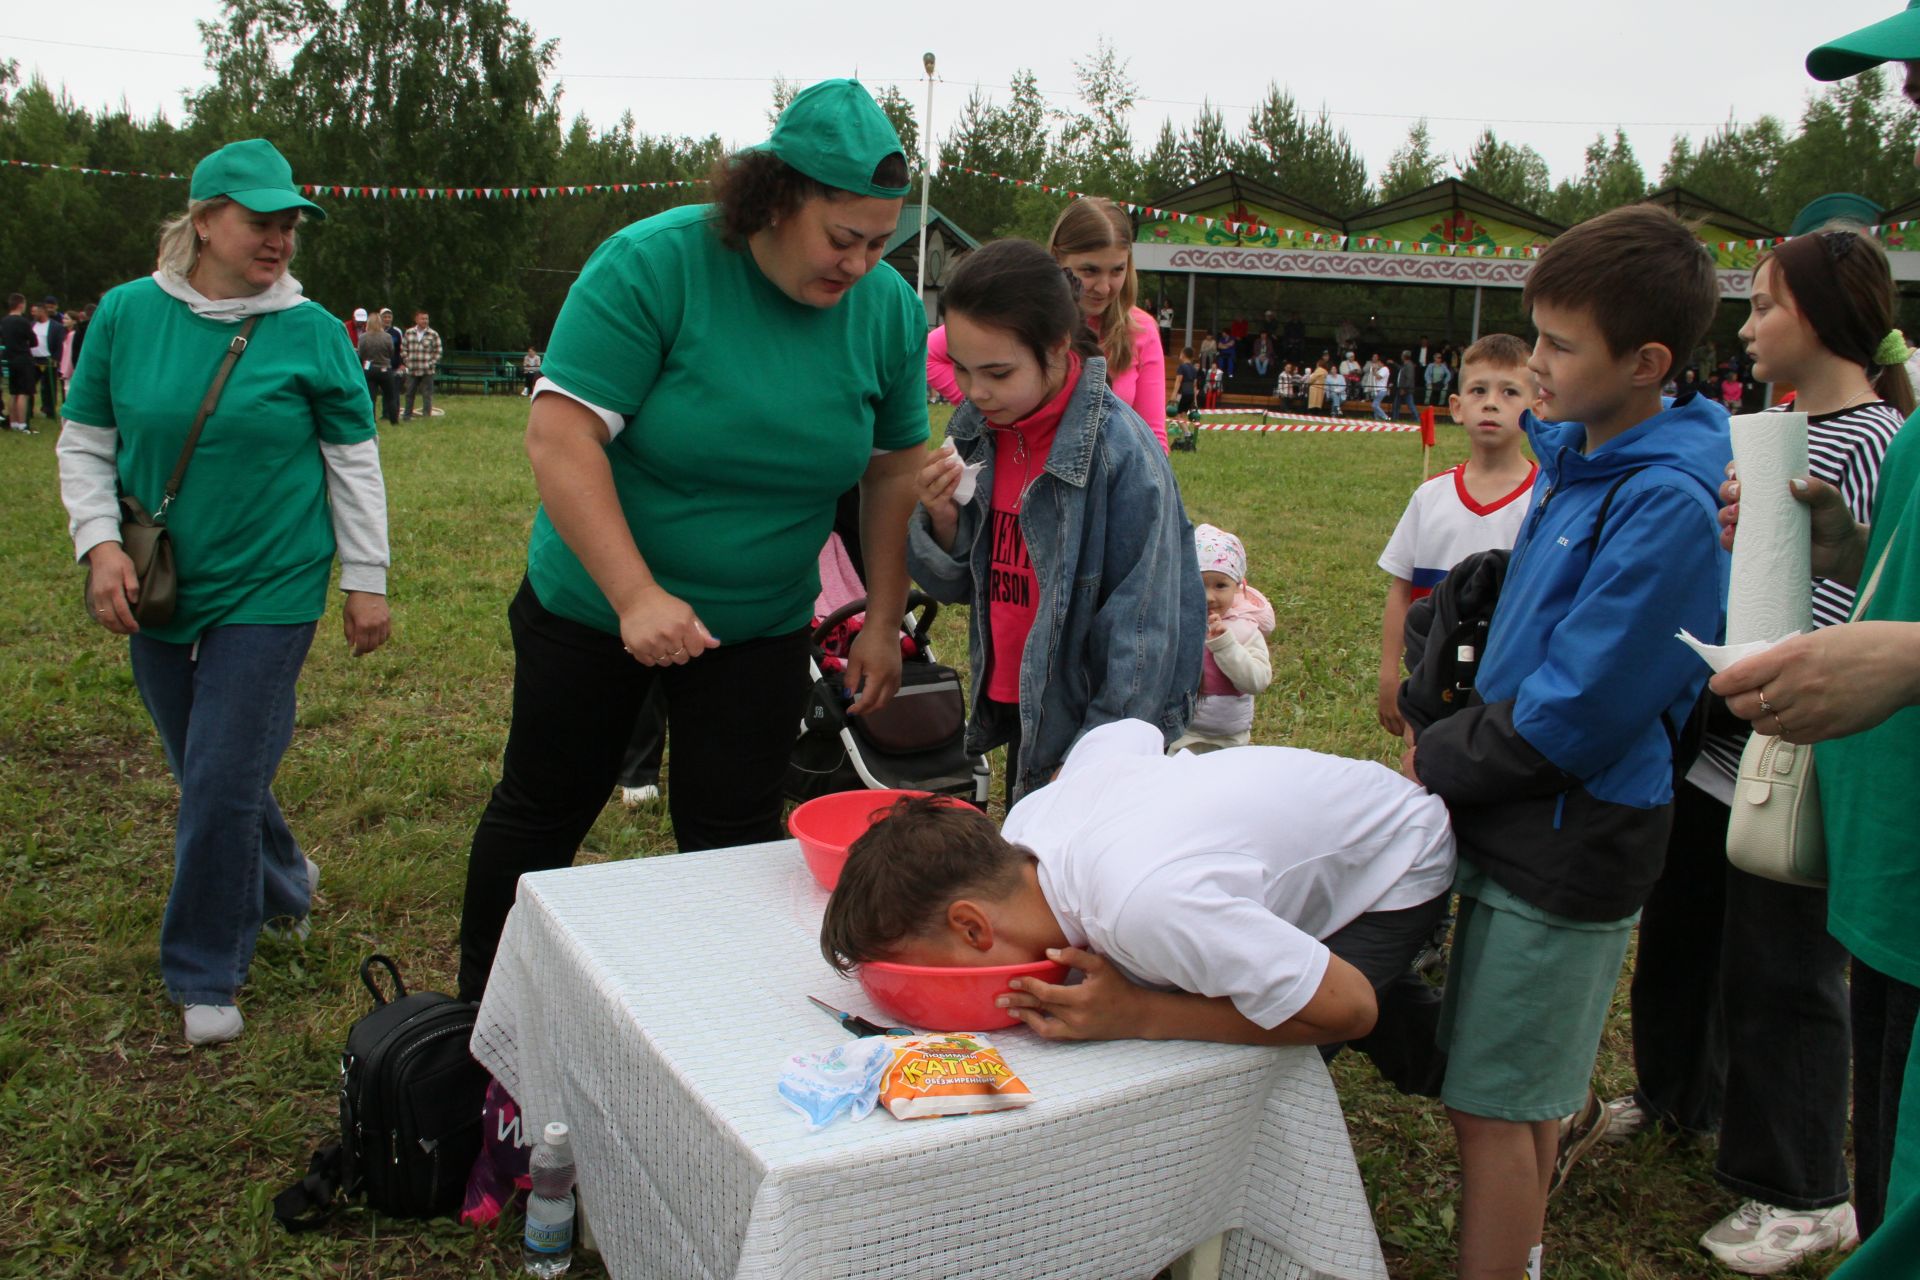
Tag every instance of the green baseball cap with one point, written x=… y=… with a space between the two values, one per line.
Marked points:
x=1895 y=39
x=1836 y=206
x=251 y=173
x=835 y=133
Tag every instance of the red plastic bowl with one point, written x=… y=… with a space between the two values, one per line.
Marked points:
x=949 y=998
x=826 y=826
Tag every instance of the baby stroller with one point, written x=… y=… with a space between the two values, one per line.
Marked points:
x=913 y=743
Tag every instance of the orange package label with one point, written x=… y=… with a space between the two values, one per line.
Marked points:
x=949 y=1075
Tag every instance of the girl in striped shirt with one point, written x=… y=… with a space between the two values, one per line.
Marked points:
x=1740 y=998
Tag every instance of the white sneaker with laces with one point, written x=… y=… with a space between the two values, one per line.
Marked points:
x=212 y=1023
x=1759 y=1239
x=1626 y=1119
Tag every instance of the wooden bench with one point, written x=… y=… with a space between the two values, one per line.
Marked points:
x=483 y=370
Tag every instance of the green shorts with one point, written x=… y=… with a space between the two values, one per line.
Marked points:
x=1526 y=1001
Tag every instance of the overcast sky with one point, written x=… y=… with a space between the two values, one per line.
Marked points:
x=1547 y=74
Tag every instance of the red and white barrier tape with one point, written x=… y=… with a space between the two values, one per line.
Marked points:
x=1275 y=422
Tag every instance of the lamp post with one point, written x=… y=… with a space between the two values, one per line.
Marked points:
x=926 y=176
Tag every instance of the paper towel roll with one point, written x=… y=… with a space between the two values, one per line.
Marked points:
x=1771 y=594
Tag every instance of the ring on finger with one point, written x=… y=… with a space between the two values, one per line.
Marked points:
x=1779 y=725
x=1766 y=707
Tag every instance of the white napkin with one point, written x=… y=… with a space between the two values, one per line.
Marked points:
x=1722 y=656
x=969 y=479
x=1771 y=592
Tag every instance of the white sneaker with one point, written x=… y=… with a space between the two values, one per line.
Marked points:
x=212 y=1023
x=285 y=930
x=1626 y=1119
x=1759 y=1239
x=633 y=797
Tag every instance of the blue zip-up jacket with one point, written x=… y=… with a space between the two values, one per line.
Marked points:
x=1122 y=619
x=1560 y=776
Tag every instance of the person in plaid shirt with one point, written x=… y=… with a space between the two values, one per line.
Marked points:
x=420 y=352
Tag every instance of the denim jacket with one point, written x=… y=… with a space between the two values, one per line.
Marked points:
x=1122 y=618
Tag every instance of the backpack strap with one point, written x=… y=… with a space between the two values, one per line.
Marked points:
x=1683 y=741
x=373 y=989
x=1606 y=503
x=309 y=1203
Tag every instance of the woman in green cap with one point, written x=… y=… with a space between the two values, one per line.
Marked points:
x=684 y=504
x=284 y=476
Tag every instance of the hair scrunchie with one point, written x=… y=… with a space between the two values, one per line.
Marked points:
x=1892 y=350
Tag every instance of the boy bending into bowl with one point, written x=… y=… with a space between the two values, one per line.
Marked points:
x=1256 y=895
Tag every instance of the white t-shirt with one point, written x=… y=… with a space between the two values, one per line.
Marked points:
x=41 y=350
x=1443 y=525
x=1166 y=317
x=1219 y=874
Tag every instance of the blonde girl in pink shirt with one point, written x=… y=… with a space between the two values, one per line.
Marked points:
x=1093 y=240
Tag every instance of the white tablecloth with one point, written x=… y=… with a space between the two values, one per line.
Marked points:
x=651 y=1004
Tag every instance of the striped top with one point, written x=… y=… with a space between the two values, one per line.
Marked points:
x=1845 y=450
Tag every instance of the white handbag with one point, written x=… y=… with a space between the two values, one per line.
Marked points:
x=1775 y=830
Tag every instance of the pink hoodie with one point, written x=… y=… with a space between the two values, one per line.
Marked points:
x=1249 y=613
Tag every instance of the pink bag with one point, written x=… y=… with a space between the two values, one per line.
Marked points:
x=500 y=1170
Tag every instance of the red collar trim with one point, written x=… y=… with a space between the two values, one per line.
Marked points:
x=1466 y=499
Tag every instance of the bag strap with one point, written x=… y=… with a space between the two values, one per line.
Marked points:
x=309 y=1203
x=207 y=403
x=366 y=978
x=1865 y=597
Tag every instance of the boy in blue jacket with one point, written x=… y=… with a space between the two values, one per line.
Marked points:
x=1559 y=775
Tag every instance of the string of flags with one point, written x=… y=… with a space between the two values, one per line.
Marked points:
x=1769 y=242
x=1329 y=240
x=1320 y=239
x=490 y=193
x=363 y=191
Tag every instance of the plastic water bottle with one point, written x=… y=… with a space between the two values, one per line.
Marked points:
x=548 y=1247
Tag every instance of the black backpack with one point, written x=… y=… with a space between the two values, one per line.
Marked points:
x=1446 y=637
x=410 y=1098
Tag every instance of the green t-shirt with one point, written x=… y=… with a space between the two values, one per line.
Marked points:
x=747 y=415
x=1873 y=853
x=251 y=532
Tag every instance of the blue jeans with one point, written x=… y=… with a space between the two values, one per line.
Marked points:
x=1379 y=394
x=1404 y=395
x=224 y=709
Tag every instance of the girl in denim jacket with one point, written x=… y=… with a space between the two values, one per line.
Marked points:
x=1053 y=512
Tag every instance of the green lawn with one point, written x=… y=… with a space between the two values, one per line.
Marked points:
x=127 y=1155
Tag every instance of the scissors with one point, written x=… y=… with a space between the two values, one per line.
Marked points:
x=860 y=1026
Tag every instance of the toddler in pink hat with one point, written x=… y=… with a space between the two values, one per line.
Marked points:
x=1235 y=665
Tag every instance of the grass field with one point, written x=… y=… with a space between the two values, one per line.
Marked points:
x=124 y=1154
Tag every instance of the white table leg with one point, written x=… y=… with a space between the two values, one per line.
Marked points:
x=1203 y=1263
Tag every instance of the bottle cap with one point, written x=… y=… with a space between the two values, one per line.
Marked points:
x=556 y=1133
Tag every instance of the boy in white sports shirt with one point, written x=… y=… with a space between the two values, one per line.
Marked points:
x=1255 y=895
x=1476 y=506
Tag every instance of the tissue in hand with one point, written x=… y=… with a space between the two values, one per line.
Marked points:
x=844 y=1079
x=969 y=480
